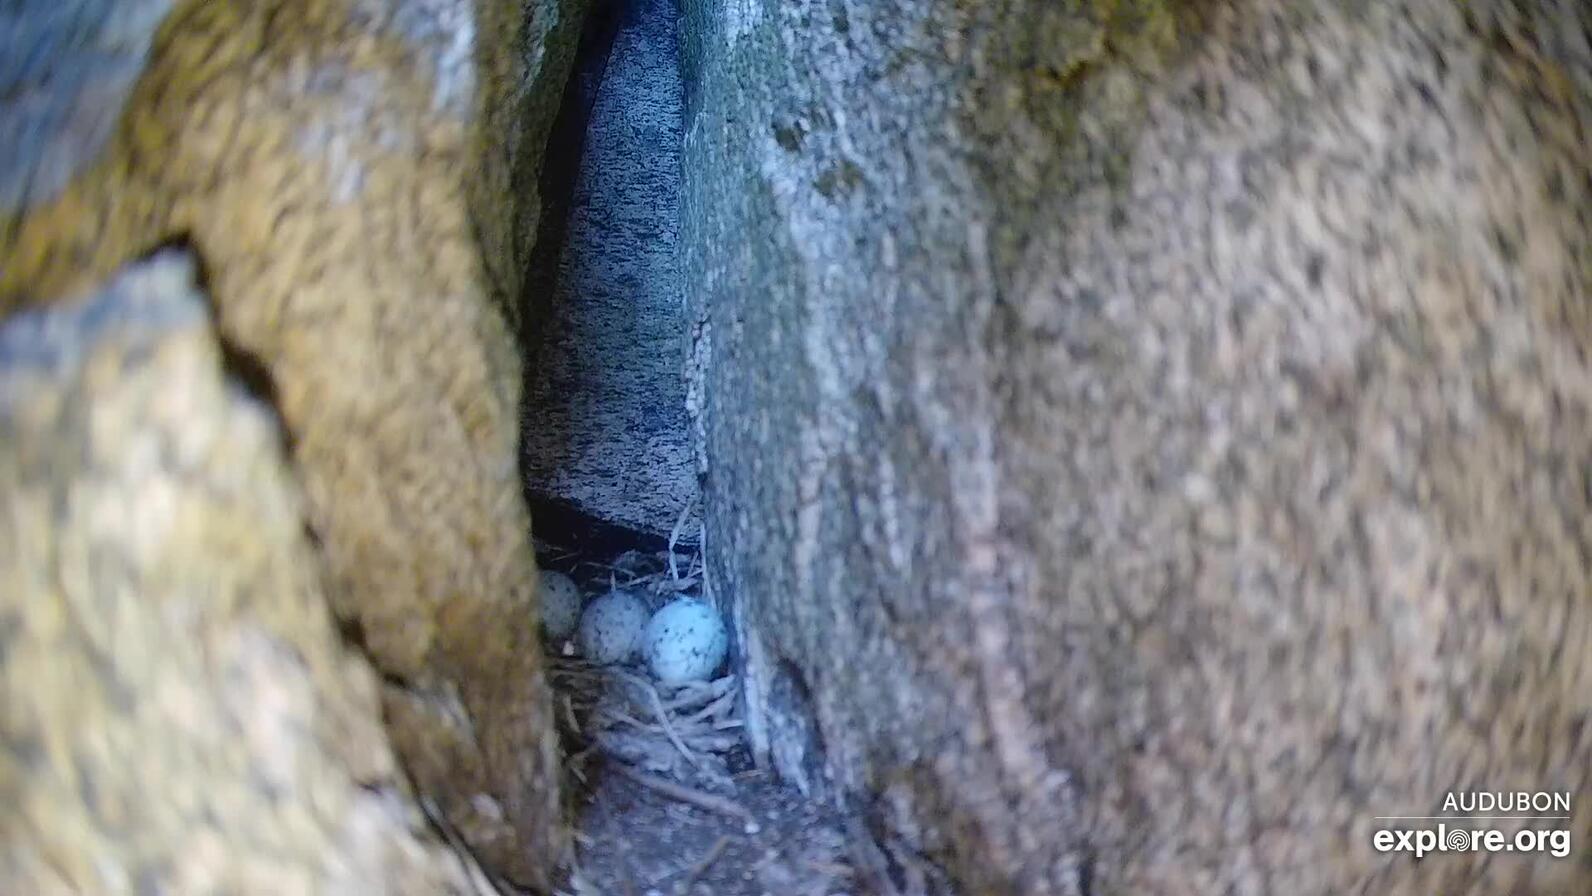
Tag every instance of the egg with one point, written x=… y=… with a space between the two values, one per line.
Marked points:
x=685 y=641
x=560 y=605
x=610 y=629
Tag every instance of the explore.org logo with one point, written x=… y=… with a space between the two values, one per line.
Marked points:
x=1458 y=832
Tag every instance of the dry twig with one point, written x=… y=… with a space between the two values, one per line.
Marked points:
x=701 y=799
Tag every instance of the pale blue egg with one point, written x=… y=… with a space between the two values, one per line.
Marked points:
x=685 y=641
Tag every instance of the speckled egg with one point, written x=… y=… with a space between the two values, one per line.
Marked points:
x=610 y=629
x=685 y=641
x=560 y=605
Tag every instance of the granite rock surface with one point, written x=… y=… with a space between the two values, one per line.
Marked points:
x=1153 y=436
x=609 y=429
x=179 y=713
x=357 y=179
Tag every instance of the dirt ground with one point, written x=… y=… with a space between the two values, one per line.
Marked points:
x=635 y=841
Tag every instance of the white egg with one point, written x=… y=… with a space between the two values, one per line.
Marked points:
x=610 y=629
x=560 y=604
x=685 y=641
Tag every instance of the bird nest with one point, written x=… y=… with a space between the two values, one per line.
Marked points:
x=646 y=729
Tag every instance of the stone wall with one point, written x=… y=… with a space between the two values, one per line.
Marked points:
x=608 y=391
x=357 y=179
x=1154 y=435
x=180 y=714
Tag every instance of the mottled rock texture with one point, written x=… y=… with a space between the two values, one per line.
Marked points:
x=358 y=179
x=607 y=396
x=1157 y=436
x=179 y=713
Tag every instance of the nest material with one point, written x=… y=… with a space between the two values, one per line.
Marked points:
x=674 y=740
x=677 y=731
x=681 y=731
